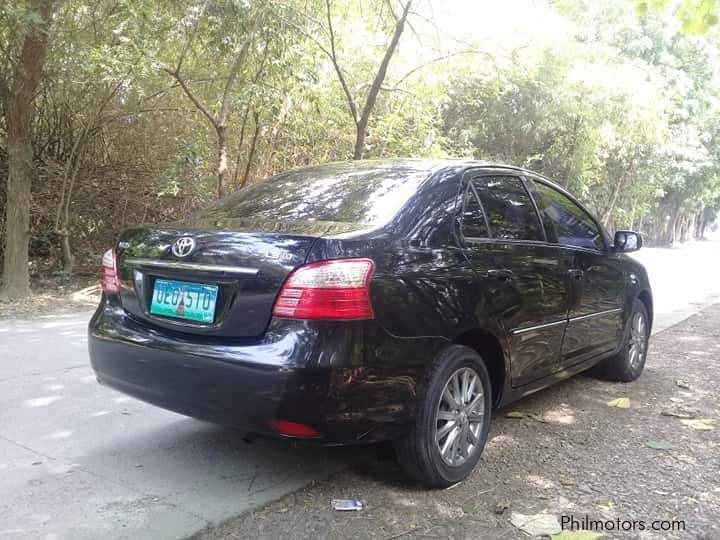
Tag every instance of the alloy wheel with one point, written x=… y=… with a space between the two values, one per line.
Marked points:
x=459 y=417
x=638 y=339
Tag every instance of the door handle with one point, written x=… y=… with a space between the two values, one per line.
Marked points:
x=503 y=274
x=576 y=274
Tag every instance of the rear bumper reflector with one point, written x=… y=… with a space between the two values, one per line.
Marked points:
x=293 y=429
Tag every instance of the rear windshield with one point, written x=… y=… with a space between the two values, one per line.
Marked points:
x=347 y=193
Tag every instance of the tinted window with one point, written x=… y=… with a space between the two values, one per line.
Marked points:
x=368 y=193
x=431 y=217
x=508 y=208
x=565 y=222
x=473 y=219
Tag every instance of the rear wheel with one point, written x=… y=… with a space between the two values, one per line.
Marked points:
x=452 y=425
x=629 y=363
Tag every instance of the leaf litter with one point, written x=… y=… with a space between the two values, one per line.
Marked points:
x=620 y=403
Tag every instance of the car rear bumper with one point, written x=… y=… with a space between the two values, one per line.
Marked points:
x=314 y=374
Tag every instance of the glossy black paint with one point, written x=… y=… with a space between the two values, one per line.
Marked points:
x=361 y=381
x=244 y=302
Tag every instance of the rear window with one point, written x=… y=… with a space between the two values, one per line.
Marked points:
x=347 y=193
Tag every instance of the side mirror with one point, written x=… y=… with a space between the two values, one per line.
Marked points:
x=627 y=241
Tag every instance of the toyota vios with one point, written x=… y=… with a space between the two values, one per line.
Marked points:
x=356 y=302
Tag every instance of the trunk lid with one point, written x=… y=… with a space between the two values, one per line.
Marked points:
x=248 y=269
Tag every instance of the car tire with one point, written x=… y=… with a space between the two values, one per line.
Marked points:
x=459 y=427
x=629 y=363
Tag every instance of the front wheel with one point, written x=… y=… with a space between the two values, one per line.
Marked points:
x=629 y=363
x=452 y=424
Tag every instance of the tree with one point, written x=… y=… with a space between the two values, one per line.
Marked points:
x=361 y=117
x=18 y=94
x=219 y=119
x=89 y=128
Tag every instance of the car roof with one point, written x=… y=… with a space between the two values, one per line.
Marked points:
x=458 y=165
x=429 y=165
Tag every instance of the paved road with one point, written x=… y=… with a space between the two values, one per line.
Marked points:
x=78 y=460
x=683 y=279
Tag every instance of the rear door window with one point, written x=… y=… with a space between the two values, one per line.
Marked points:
x=565 y=221
x=474 y=224
x=510 y=212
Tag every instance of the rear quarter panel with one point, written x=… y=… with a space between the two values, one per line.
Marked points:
x=424 y=290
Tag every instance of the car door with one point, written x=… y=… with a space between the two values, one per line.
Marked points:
x=595 y=323
x=505 y=243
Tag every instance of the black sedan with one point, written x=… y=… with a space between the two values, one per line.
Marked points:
x=356 y=302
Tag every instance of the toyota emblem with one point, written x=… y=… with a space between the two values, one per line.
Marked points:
x=183 y=246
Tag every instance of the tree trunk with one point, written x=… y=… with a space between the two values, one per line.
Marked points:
x=362 y=123
x=702 y=224
x=698 y=221
x=359 y=149
x=243 y=127
x=674 y=228
x=683 y=229
x=253 y=146
x=222 y=158
x=16 y=278
x=361 y=120
x=62 y=216
x=19 y=113
x=68 y=259
x=607 y=214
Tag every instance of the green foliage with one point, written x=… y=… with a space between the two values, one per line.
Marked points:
x=625 y=116
x=695 y=16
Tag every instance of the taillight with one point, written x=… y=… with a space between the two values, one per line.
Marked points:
x=108 y=276
x=338 y=289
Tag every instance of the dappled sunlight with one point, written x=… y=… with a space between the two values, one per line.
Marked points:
x=445 y=510
x=403 y=500
x=41 y=401
x=64 y=316
x=501 y=441
x=562 y=415
x=63 y=434
x=79 y=335
x=61 y=324
x=540 y=481
x=58 y=467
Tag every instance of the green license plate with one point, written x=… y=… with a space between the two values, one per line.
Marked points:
x=184 y=300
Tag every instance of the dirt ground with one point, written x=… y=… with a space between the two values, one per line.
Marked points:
x=563 y=451
x=59 y=295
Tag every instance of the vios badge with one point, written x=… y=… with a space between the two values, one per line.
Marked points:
x=183 y=246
